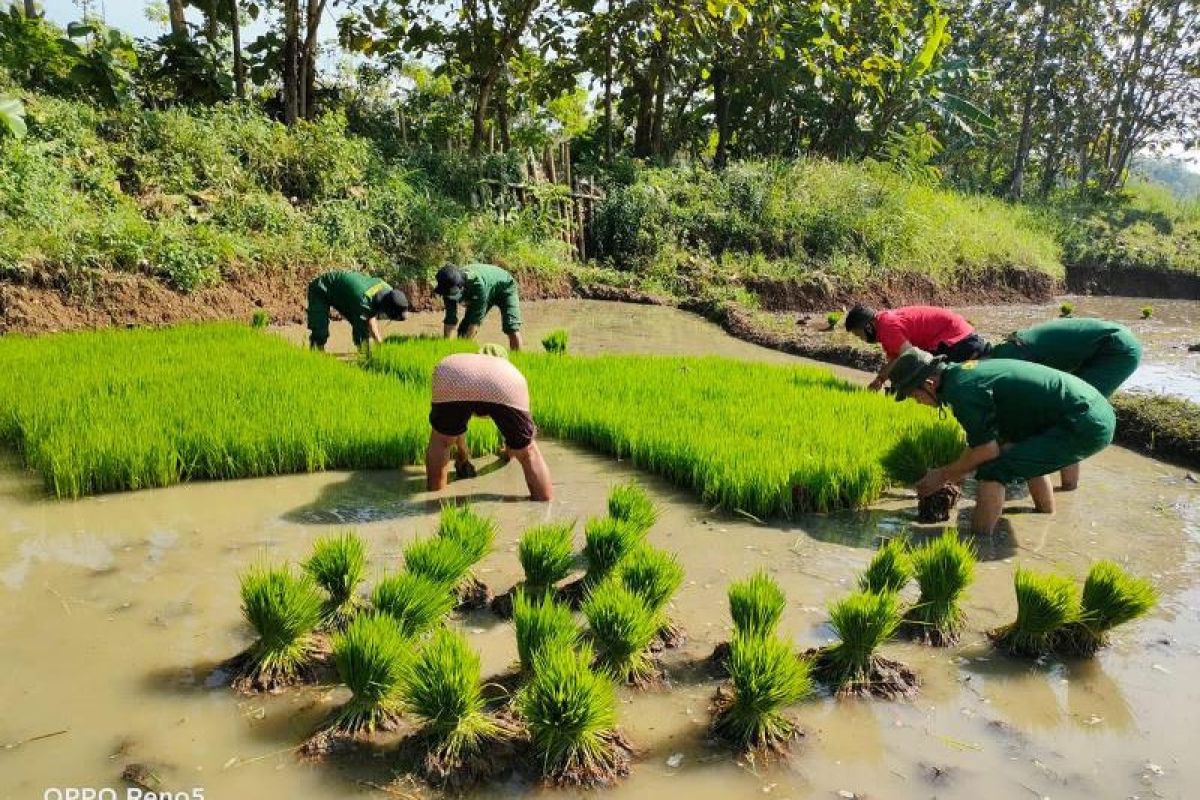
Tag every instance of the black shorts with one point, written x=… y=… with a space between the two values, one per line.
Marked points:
x=516 y=426
x=970 y=348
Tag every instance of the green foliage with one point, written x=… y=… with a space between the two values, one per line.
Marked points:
x=606 y=542
x=371 y=656
x=439 y=559
x=284 y=611
x=1164 y=426
x=629 y=502
x=944 y=568
x=1066 y=309
x=621 y=626
x=863 y=621
x=546 y=555
x=338 y=564
x=756 y=605
x=1147 y=312
x=1111 y=597
x=541 y=622
x=832 y=319
x=653 y=575
x=555 y=342
x=417 y=603
x=474 y=533
x=260 y=321
x=1045 y=604
x=890 y=570
x=766 y=677
x=12 y=116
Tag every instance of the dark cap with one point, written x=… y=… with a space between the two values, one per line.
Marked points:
x=450 y=282
x=912 y=368
x=859 y=317
x=392 y=304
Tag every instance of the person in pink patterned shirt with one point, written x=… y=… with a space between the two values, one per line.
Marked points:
x=482 y=384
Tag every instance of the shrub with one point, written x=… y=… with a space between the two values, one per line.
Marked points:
x=555 y=342
x=416 y=602
x=766 y=678
x=371 y=656
x=337 y=565
x=284 y=611
x=540 y=622
x=890 y=569
x=1045 y=604
x=546 y=555
x=944 y=568
x=621 y=627
x=606 y=542
x=756 y=605
x=630 y=503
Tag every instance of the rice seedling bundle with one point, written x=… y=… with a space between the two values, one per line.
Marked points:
x=474 y=533
x=284 y=610
x=337 y=564
x=890 y=569
x=653 y=575
x=621 y=627
x=145 y=408
x=540 y=622
x=606 y=542
x=1045 y=604
x=1111 y=597
x=756 y=605
x=546 y=555
x=766 y=677
x=571 y=713
x=556 y=342
x=371 y=655
x=439 y=559
x=629 y=502
x=862 y=621
x=944 y=568
x=416 y=602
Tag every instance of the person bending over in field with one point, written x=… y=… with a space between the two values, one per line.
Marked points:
x=482 y=384
x=1101 y=353
x=1023 y=421
x=360 y=299
x=936 y=330
x=479 y=288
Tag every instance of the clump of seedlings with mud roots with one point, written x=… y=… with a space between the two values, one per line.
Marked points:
x=439 y=559
x=607 y=541
x=756 y=605
x=890 y=569
x=371 y=656
x=415 y=602
x=1111 y=597
x=1045 y=604
x=852 y=666
x=654 y=575
x=546 y=556
x=765 y=678
x=338 y=564
x=622 y=627
x=629 y=502
x=475 y=536
x=284 y=609
x=944 y=568
x=462 y=744
x=571 y=714
x=540 y=622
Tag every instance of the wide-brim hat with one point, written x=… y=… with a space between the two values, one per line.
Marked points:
x=912 y=368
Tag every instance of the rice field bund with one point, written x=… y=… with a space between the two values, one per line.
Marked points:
x=220 y=570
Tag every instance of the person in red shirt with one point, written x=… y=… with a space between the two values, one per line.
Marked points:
x=932 y=329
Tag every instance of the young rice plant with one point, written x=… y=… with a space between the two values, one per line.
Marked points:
x=1046 y=603
x=474 y=533
x=546 y=556
x=540 y=621
x=766 y=677
x=756 y=605
x=441 y=560
x=944 y=568
x=606 y=542
x=284 y=609
x=1111 y=597
x=622 y=627
x=338 y=564
x=630 y=503
x=863 y=621
x=371 y=655
x=417 y=603
x=890 y=569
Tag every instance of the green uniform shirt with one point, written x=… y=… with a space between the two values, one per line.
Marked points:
x=486 y=286
x=1104 y=354
x=351 y=293
x=1010 y=401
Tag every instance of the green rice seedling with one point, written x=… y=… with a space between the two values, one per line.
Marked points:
x=260 y=320
x=606 y=542
x=371 y=655
x=1045 y=604
x=766 y=677
x=832 y=319
x=863 y=621
x=621 y=627
x=540 y=621
x=890 y=569
x=571 y=713
x=1111 y=597
x=756 y=605
x=416 y=602
x=441 y=688
x=474 y=533
x=1147 y=312
x=1066 y=309
x=944 y=568
x=284 y=609
x=546 y=555
x=654 y=575
x=556 y=342
x=629 y=502
x=442 y=560
x=337 y=564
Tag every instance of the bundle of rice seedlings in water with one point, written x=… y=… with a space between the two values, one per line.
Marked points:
x=1111 y=597
x=571 y=713
x=756 y=605
x=441 y=688
x=890 y=569
x=371 y=655
x=474 y=533
x=863 y=621
x=621 y=626
x=654 y=575
x=416 y=603
x=607 y=541
x=629 y=502
x=944 y=568
x=546 y=556
x=766 y=677
x=439 y=559
x=1045 y=604
x=337 y=564
x=284 y=610
x=556 y=342
x=540 y=622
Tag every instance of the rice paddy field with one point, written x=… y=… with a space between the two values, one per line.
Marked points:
x=120 y=611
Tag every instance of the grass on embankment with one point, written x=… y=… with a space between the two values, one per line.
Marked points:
x=1160 y=426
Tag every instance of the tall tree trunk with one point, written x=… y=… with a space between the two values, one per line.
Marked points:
x=239 y=68
x=291 y=61
x=308 y=64
x=720 y=78
x=175 y=12
x=479 y=114
x=1016 y=184
x=644 y=87
x=662 y=82
x=31 y=11
x=212 y=21
x=502 y=116
x=608 y=95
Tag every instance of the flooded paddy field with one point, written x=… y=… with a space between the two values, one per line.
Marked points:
x=116 y=609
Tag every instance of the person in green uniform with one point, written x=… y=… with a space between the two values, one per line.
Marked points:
x=1102 y=353
x=360 y=299
x=1023 y=421
x=479 y=288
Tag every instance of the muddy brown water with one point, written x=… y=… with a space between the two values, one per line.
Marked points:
x=113 y=611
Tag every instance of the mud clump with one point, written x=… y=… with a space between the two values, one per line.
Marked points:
x=937 y=507
x=502 y=604
x=718 y=662
x=887 y=680
x=146 y=777
x=473 y=595
x=670 y=637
